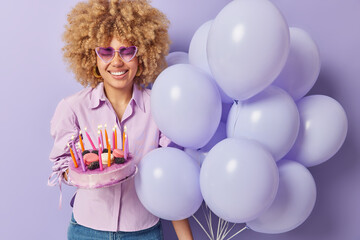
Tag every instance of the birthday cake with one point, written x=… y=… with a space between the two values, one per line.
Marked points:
x=99 y=167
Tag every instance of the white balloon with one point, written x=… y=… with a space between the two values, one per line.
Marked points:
x=218 y=136
x=247 y=47
x=198 y=54
x=293 y=203
x=238 y=179
x=302 y=67
x=177 y=58
x=197 y=155
x=323 y=128
x=271 y=118
x=186 y=105
x=197 y=49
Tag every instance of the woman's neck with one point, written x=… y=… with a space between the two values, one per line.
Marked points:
x=119 y=98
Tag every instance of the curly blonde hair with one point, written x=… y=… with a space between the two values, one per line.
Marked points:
x=96 y=22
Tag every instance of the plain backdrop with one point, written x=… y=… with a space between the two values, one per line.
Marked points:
x=34 y=79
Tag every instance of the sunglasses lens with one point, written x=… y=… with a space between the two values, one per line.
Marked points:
x=128 y=53
x=106 y=54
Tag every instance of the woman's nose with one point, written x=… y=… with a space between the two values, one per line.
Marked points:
x=117 y=60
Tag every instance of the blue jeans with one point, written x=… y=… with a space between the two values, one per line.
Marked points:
x=79 y=232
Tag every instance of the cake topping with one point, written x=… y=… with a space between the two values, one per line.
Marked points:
x=105 y=150
x=85 y=152
x=118 y=153
x=119 y=160
x=94 y=165
x=90 y=157
x=104 y=158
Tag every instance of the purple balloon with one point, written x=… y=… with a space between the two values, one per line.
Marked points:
x=293 y=203
x=302 y=67
x=219 y=135
x=186 y=105
x=177 y=58
x=167 y=184
x=196 y=155
x=186 y=16
x=198 y=54
x=271 y=118
x=323 y=129
x=197 y=49
x=238 y=179
x=247 y=47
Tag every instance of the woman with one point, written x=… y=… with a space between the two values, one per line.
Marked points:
x=115 y=49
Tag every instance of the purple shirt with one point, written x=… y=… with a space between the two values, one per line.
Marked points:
x=115 y=208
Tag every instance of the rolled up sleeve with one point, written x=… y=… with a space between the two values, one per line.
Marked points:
x=63 y=126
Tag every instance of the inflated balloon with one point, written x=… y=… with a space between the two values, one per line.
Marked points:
x=302 y=67
x=293 y=203
x=200 y=154
x=238 y=179
x=177 y=58
x=247 y=47
x=323 y=128
x=198 y=54
x=186 y=105
x=186 y=16
x=196 y=155
x=219 y=135
x=271 y=118
x=167 y=184
x=197 y=49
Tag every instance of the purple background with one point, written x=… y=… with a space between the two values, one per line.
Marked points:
x=34 y=79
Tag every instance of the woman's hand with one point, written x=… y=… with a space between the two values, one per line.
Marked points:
x=65 y=175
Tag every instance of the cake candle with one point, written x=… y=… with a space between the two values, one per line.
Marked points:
x=74 y=149
x=89 y=138
x=123 y=140
x=106 y=138
x=100 y=160
x=81 y=160
x=99 y=140
x=101 y=135
x=81 y=142
x=73 y=157
x=115 y=137
x=109 y=152
x=126 y=149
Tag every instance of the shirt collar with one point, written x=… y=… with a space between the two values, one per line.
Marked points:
x=138 y=97
x=98 y=95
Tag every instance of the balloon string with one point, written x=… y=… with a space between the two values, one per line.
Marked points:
x=208 y=218
x=228 y=230
x=223 y=229
x=218 y=226
x=210 y=223
x=202 y=227
x=244 y=228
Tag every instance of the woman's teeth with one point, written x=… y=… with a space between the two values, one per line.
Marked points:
x=118 y=73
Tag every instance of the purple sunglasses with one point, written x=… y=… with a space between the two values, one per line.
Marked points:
x=107 y=54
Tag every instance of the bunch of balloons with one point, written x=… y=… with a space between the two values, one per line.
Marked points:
x=248 y=161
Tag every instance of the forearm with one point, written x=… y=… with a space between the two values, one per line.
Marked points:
x=182 y=229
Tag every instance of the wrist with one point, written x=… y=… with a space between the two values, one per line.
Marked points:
x=65 y=174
